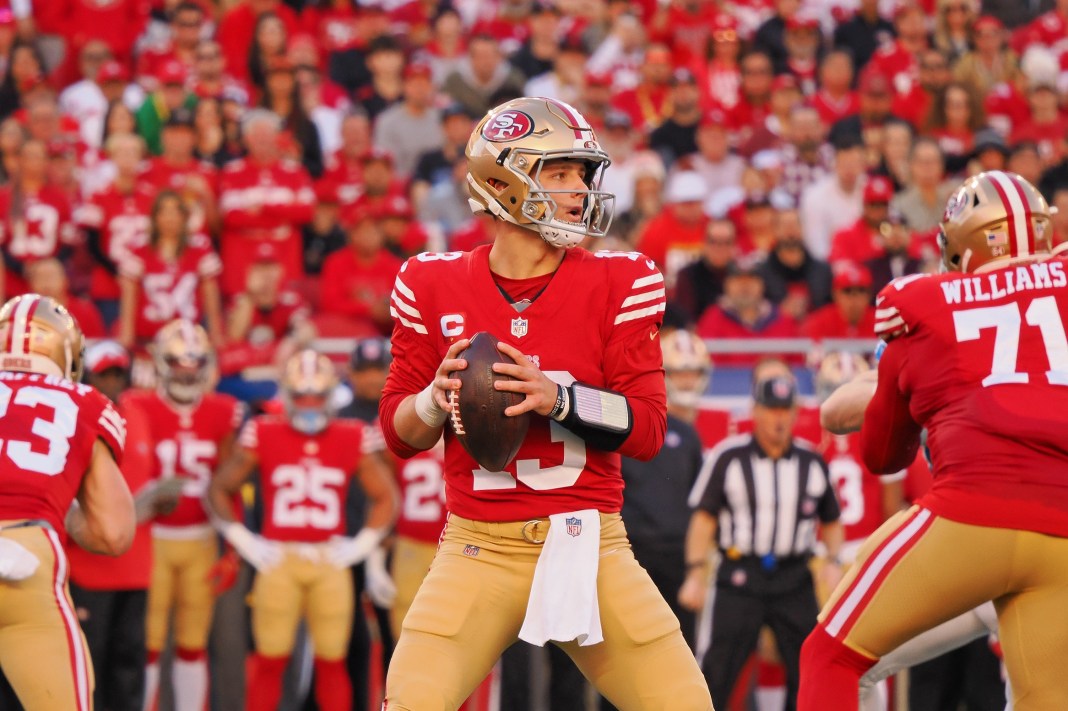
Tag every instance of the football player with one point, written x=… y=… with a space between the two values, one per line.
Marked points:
x=62 y=441
x=191 y=430
x=977 y=356
x=580 y=332
x=305 y=461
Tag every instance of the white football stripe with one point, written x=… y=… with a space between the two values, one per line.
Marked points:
x=19 y=324
x=410 y=310
x=887 y=313
x=110 y=428
x=1017 y=211
x=417 y=327
x=631 y=315
x=641 y=298
x=403 y=288
x=74 y=630
x=657 y=278
x=889 y=325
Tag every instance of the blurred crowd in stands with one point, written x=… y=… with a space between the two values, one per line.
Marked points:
x=265 y=166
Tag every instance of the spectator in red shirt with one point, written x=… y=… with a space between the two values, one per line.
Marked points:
x=850 y=315
x=186 y=26
x=210 y=78
x=744 y=313
x=262 y=198
x=1046 y=125
x=47 y=277
x=862 y=240
x=178 y=170
x=674 y=238
x=896 y=60
x=835 y=99
x=754 y=99
x=24 y=67
x=914 y=103
x=721 y=77
x=357 y=279
x=174 y=276
x=955 y=115
x=647 y=104
x=699 y=284
x=238 y=26
x=119 y=23
x=282 y=96
x=343 y=174
x=897 y=258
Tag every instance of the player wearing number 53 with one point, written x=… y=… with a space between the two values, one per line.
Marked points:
x=978 y=357
x=538 y=550
x=62 y=442
x=305 y=460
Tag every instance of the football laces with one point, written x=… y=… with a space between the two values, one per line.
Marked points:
x=454 y=403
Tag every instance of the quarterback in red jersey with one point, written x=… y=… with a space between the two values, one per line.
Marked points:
x=61 y=443
x=306 y=461
x=191 y=430
x=582 y=332
x=978 y=357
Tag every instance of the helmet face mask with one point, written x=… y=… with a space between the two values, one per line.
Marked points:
x=184 y=360
x=993 y=218
x=511 y=147
x=307 y=387
x=38 y=335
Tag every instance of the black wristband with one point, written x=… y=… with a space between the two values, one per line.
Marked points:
x=561 y=398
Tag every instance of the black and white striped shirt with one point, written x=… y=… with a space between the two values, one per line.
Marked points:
x=765 y=506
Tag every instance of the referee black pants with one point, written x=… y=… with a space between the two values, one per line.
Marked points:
x=749 y=596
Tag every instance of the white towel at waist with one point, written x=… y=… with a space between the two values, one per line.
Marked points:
x=563 y=597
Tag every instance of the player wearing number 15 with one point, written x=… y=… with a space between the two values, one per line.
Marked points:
x=306 y=461
x=191 y=430
x=581 y=332
x=979 y=357
x=60 y=442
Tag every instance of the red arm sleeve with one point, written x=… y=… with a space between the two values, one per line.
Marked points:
x=889 y=437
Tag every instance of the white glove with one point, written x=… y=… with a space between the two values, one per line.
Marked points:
x=257 y=550
x=16 y=563
x=345 y=552
x=380 y=586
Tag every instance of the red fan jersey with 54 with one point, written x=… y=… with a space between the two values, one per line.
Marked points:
x=304 y=479
x=597 y=322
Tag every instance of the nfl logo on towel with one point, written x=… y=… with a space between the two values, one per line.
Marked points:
x=574 y=526
x=519 y=327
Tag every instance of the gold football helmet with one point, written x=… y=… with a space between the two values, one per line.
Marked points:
x=836 y=368
x=687 y=366
x=185 y=361
x=505 y=157
x=993 y=216
x=307 y=389
x=38 y=335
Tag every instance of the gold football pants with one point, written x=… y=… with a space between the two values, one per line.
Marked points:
x=180 y=570
x=409 y=566
x=472 y=604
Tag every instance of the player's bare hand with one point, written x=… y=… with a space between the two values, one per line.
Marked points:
x=830 y=574
x=693 y=592
x=539 y=391
x=443 y=384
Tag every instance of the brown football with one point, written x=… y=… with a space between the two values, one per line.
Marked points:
x=488 y=435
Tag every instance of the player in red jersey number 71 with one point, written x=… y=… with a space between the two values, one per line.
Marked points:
x=537 y=551
x=978 y=356
x=61 y=442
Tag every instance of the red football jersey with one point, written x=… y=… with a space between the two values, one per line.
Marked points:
x=422 y=490
x=596 y=322
x=123 y=222
x=860 y=493
x=981 y=361
x=48 y=427
x=162 y=175
x=185 y=442
x=45 y=227
x=169 y=289
x=304 y=479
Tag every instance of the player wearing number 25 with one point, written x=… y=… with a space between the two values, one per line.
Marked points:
x=61 y=442
x=979 y=358
x=537 y=551
x=191 y=430
x=306 y=460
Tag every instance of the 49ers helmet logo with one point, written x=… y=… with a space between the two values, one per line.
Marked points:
x=508 y=126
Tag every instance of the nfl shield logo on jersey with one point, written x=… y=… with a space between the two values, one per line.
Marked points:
x=574 y=525
x=519 y=327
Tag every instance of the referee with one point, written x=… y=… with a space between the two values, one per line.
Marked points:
x=763 y=494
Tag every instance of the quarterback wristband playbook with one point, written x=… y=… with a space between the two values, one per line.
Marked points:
x=602 y=418
x=428 y=409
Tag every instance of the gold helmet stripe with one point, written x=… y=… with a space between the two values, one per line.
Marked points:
x=1016 y=209
x=18 y=337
